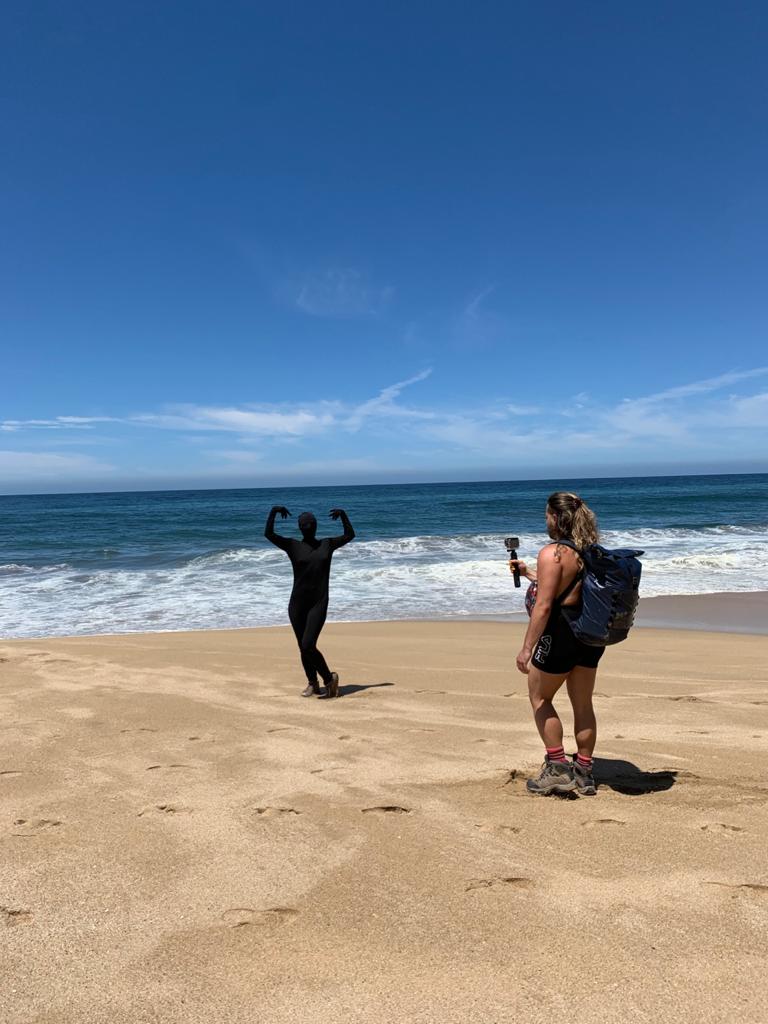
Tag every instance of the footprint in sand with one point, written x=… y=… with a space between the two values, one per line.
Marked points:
x=504 y=829
x=12 y=916
x=33 y=826
x=514 y=778
x=757 y=887
x=511 y=882
x=420 y=730
x=155 y=767
x=141 y=728
x=243 y=917
x=602 y=821
x=386 y=809
x=688 y=698
x=163 y=809
x=344 y=737
x=275 y=812
x=721 y=828
x=281 y=728
x=429 y=691
x=9 y=773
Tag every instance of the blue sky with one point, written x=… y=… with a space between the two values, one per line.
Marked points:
x=247 y=244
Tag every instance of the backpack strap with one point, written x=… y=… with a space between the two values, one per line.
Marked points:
x=579 y=575
x=571 y=545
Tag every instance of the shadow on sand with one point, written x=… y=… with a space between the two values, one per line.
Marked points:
x=625 y=777
x=345 y=691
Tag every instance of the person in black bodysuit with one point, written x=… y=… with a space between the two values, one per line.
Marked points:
x=308 y=606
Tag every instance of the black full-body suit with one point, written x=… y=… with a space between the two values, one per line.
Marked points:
x=311 y=561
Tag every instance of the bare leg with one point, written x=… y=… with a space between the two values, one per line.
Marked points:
x=542 y=687
x=581 y=685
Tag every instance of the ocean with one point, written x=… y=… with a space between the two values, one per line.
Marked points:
x=175 y=560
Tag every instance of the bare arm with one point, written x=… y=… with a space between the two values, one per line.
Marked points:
x=549 y=575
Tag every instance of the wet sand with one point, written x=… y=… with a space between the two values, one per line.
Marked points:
x=183 y=838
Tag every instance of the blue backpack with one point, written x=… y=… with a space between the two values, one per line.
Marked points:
x=609 y=595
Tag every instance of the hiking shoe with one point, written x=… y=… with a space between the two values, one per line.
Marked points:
x=333 y=685
x=554 y=777
x=312 y=690
x=585 y=780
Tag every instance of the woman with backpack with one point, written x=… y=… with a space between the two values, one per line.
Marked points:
x=551 y=653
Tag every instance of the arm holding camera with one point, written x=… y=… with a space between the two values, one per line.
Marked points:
x=523 y=568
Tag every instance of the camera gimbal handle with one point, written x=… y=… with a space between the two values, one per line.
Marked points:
x=512 y=544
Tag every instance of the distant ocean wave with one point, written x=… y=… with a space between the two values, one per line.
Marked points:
x=385 y=578
x=13 y=568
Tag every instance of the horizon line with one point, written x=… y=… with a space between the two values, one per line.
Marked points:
x=405 y=483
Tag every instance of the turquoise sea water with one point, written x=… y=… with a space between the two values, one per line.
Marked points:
x=109 y=563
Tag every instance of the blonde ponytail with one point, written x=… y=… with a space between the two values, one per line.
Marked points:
x=574 y=519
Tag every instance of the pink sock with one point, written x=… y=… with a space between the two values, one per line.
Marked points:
x=556 y=754
x=584 y=762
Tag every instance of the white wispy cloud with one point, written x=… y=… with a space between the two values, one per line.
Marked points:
x=243 y=420
x=57 y=423
x=341 y=292
x=688 y=419
x=477 y=325
x=748 y=412
x=385 y=404
x=472 y=309
x=284 y=422
x=702 y=387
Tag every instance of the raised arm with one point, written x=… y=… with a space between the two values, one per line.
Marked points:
x=349 y=533
x=269 y=529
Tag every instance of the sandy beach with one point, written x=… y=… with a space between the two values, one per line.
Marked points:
x=185 y=839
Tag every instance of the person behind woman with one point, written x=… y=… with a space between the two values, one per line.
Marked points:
x=308 y=606
x=551 y=655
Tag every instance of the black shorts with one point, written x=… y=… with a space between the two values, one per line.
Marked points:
x=558 y=650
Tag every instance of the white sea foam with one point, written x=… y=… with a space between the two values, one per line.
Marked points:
x=407 y=577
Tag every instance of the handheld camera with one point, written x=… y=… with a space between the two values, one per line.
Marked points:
x=512 y=544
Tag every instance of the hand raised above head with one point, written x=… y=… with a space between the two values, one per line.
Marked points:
x=337 y=513
x=281 y=510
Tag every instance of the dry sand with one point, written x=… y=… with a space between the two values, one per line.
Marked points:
x=183 y=838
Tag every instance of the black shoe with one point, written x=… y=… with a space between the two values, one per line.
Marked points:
x=332 y=686
x=554 y=777
x=585 y=780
